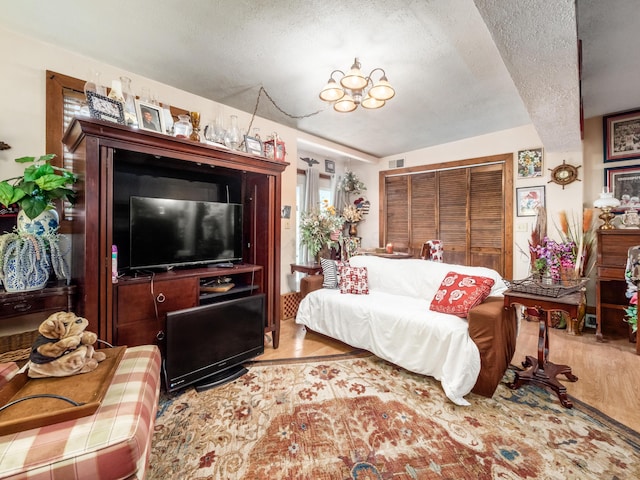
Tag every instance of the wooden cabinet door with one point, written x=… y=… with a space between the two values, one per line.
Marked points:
x=141 y=308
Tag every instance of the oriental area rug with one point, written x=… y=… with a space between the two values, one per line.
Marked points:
x=363 y=418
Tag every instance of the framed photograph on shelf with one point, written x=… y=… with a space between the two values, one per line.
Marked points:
x=530 y=163
x=528 y=199
x=624 y=183
x=105 y=108
x=150 y=117
x=329 y=166
x=621 y=134
x=253 y=145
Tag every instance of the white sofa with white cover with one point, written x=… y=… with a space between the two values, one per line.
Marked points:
x=394 y=321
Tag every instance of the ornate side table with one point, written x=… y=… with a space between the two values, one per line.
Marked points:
x=539 y=370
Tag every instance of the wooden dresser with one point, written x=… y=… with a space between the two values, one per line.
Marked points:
x=611 y=286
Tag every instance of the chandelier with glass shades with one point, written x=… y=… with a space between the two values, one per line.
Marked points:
x=356 y=89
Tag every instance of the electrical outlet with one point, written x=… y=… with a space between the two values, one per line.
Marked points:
x=522 y=227
x=287 y=224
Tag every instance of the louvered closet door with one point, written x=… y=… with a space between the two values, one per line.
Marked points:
x=454 y=225
x=396 y=212
x=462 y=204
x=424 y=210
x=486 y=217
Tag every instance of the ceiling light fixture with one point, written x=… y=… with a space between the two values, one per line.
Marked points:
x=355 y=89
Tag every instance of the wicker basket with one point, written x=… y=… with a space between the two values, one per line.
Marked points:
x=17 y=346
x=536 y=287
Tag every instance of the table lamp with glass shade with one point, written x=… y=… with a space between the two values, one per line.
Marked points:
x=606 y=202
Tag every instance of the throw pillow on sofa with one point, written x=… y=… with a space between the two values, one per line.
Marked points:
x=353 y=280
x=331 y=272
x=458 y=293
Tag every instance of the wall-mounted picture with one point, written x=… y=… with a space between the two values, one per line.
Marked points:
x=330 y=166
x=621 y=132
x=253 y=145
x=528 y=199
x=105 y=108
x=624 y=182
x=150 y=117
x=530 y=163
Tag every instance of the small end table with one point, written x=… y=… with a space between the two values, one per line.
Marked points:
x=308 y=268
x=539 y=370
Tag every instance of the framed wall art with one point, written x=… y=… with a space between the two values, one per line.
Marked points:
x=330 y=166
x=105 y=108
x=530 y=163
x=621 y=134
x=624 y=183
x=253 y=145
x=150 y=117
x=528 y=199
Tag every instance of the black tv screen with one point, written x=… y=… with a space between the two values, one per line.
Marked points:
x=204 y=341
x=166 y=232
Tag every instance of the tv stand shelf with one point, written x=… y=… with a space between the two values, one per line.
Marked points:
x=142 y=301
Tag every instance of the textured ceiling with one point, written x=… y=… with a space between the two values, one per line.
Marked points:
x=461 y=68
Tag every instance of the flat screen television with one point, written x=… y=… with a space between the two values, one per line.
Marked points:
x=166 y=232
x=207 y=345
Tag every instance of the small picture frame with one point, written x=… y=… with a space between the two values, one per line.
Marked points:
x=105 y=108
x=621 y=134
x=624 y=183
x=528 y=199
x=150 y=117
x=253 y=145
x=329 y=166
x=530 y=163
x=286 y=211
x=590 y=321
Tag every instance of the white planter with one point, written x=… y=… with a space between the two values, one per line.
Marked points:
x=25 y=263
x=45 y=223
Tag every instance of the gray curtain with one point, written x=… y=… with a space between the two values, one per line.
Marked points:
x=338 y=195
x=311 y=201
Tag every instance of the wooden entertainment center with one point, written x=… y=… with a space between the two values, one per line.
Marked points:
x=132 y=311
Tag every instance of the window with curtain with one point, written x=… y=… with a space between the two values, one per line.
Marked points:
x=325 y=192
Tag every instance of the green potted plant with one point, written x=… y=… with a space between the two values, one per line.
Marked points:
x=38 y=187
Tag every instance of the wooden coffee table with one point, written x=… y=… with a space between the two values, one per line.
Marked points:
x=539 y=370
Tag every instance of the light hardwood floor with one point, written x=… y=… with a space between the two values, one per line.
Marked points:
x=608 y=373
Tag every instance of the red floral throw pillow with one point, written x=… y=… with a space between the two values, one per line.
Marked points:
x=458 y=293
x=354 y=280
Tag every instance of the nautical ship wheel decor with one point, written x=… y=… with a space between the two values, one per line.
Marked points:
x=564 y=174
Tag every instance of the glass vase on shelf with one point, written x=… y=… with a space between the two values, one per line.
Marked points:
x=130 y=115
x=168 y=118
x=233 y=137
x=182 y=128
x=195 y=123
x=94 y=84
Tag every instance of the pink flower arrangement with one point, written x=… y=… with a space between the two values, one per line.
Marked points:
x=553 y=257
